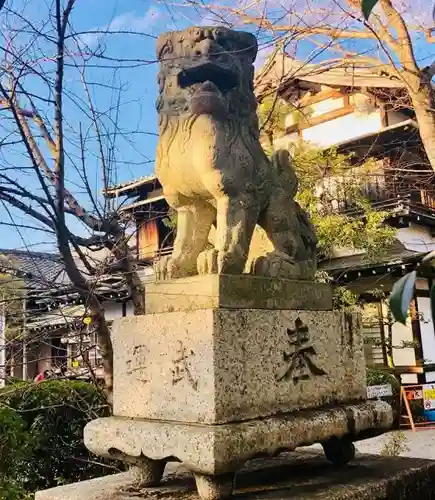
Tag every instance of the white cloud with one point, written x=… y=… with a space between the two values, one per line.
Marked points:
x=128 y=21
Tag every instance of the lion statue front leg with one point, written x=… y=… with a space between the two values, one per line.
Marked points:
x=194 y=220
x=235 y=223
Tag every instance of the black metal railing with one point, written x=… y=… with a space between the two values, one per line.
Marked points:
x=341 y=196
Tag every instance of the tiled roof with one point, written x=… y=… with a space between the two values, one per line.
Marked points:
x=44 y=275
x=122 y=189
x=281 y=68
x=397 y=255
x=38 y=270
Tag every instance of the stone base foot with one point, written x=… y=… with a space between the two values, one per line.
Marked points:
x=214 y=487
x=145 y=471
x=339 y=451
x=148 y=472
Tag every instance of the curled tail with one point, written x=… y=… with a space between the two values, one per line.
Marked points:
x=284 y=172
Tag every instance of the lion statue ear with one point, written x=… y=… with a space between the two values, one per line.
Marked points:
x=249 y=44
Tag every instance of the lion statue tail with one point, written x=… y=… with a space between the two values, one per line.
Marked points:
x=284 y=171
x=287 y=179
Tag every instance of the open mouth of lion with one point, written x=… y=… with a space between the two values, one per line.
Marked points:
x=208 y=78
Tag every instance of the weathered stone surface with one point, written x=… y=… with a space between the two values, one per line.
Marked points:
x=102 y=488
x=236 y=292
x=220 y=449
x=294 y=476
x=212 y=167
x=221 y=365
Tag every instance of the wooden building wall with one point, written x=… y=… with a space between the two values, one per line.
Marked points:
x=148 y=238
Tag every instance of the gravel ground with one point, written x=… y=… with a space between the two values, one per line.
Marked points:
x=419 y=444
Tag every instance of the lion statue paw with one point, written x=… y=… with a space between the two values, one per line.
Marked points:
x=279 y=265
x=167 y=268
x=213 y=261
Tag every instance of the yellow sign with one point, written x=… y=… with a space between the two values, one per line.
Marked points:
x=87 y=320
x=429 y=396
x=75 y=364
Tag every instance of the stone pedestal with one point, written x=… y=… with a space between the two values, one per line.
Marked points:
x=214 y=366
x=223 y=369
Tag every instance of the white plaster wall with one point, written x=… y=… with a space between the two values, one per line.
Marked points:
x=316 y=109
x=342 y=128
x=403 y=356
x=114 y=310
x=409 y=378
x=394 y=117
x=427 y=330
x=430 y=377
x=325 y=106
x=286 y=142
x=130 y=308
x=421 y=284
x=44 y=361
x=416 y=238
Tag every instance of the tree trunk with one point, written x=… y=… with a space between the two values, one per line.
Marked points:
x=422 y=101
x=93 y=304
x=105 y=345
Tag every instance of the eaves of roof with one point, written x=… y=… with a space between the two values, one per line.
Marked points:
x=126 y=187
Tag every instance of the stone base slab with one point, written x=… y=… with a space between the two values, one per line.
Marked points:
x=235 y=292
x=220 y=449
x=295 y=476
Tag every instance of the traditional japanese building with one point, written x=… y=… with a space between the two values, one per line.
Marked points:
x=143 y=199
x=46 y=328
x=357 y=110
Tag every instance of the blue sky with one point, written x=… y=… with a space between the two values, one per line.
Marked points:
x=136 y=121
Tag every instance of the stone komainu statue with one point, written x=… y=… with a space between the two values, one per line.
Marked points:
x=212 y=167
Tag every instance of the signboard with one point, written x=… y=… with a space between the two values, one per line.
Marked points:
x=413 y=394
x=429 y=396
x=379 y=391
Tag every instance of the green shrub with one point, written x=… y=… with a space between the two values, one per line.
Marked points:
x=15 y=441
x=382 y=377
x=52 y=415
x=377 y=376
x=10 y=490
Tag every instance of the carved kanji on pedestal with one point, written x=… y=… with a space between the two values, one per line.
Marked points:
x=299 y=359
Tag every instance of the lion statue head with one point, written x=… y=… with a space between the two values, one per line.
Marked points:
x=206 y=71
